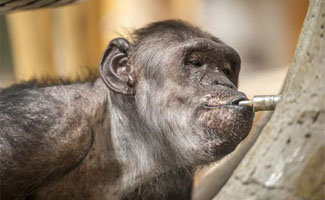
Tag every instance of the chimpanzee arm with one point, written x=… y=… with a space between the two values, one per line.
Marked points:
x=44 y=133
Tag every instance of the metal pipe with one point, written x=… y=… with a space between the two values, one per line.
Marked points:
x=262 y=102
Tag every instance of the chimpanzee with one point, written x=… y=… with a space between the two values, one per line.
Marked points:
x=163 y=104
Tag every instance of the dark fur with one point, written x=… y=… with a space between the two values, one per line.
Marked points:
x=140 y=140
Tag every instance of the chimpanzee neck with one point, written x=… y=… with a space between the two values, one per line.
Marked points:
x=129 y=143
x=143 y=158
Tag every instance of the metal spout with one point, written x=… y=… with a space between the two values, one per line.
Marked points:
x=262 y=102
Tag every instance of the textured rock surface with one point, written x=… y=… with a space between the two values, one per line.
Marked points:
x=288 y=161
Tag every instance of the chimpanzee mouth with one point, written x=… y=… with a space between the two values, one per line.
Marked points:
x=234 y=102
x=225 y=124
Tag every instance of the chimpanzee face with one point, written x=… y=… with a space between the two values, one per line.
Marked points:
x=184 y=91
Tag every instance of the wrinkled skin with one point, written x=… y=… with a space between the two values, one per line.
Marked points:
x=164 y=104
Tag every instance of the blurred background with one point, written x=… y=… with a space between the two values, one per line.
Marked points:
x=68 y=41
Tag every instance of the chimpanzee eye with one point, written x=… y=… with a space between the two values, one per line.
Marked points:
x=195 y=62
x=226 y=71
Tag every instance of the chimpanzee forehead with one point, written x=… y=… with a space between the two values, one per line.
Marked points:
x=206 y=44
x=170 y=44
x=155 y=50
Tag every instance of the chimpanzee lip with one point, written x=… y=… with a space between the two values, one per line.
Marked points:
x=231 y=103
x=221 y=106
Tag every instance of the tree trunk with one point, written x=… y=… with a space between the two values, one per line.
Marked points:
x=287 y=161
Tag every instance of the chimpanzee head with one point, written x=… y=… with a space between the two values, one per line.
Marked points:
x=181 y=84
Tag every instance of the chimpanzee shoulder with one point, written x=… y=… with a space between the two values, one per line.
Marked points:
x=28 y=108
x=21 y=103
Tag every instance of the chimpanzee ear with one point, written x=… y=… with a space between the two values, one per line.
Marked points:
x=114 y=68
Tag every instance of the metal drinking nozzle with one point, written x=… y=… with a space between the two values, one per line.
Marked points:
x=262 y=102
